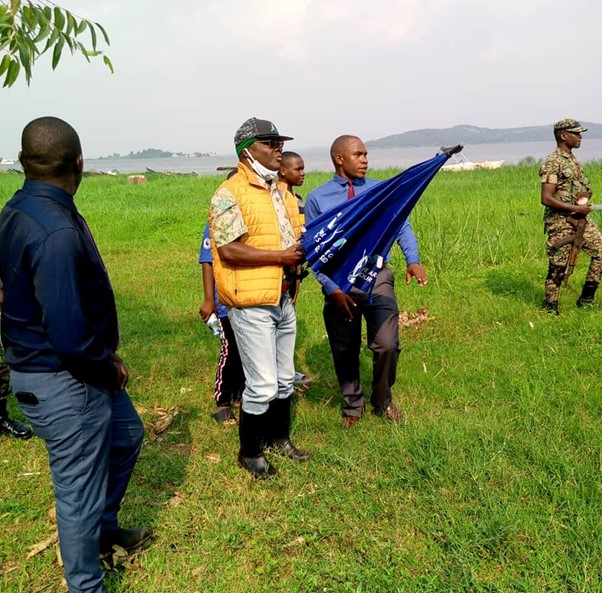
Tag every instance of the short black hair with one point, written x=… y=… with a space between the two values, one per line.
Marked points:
x=49 y=147
x=289 y=155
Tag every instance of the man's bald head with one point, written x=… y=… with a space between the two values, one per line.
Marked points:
x=349 y=157
x=340 y=144
x=50 y=150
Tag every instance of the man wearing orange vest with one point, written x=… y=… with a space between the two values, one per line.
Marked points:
x=255 y=228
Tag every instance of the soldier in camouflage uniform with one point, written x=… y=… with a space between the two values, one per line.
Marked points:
x=15 y=429
x=563 y=185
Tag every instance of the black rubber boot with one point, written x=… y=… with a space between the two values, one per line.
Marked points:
x=587 y=294
x=279 y=429
x=550 y=307
x=251 y=429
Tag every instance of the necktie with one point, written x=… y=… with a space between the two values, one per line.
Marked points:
x=350 y=189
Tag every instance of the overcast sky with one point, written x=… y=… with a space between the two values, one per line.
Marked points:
x=189 y=72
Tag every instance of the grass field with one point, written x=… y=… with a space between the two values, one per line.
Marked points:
x=493 y=485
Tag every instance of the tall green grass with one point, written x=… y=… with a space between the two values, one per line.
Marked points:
x=493 y=484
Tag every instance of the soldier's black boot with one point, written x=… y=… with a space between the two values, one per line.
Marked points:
x=251 y=429
x=279 y=429
x=587 y=294
x=550 y=307
x=12 y=428
x=552 y=288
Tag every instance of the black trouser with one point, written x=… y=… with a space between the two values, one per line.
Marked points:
x=382 y=317
x=229 y=377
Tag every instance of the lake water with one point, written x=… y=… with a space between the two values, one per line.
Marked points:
x=319 y=159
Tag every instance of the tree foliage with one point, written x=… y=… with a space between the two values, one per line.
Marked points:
x=29 y=29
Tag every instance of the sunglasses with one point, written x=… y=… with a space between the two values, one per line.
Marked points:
x=273 y=143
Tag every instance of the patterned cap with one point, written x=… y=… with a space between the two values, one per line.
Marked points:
x=568 y=125
x=257 y=129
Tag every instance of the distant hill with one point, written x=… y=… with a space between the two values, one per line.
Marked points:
x=474 y=135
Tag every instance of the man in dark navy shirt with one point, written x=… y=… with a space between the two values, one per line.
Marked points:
x=60 y=333
x=343 y=312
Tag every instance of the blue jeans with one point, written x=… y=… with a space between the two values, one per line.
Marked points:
x=266 y=342
x=93 y=438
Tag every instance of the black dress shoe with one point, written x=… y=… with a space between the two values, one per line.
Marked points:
x=258 y=466
x=287 y=447
x=128 y=539
x=15 y=429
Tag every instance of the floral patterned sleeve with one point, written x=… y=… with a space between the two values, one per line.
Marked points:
x=227 y=223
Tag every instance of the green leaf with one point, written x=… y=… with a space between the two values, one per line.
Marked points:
x=42 y=33
x=4 y=64
x=81 y=27
x=25 y=59
x=28 y=17
x=43 y=20
x=15 y=5
x=109 y=64
x=92 y=35
x=59 y=18
x=82 y=48
x=13 y=72
x=6 y=19
x=51 y=40
x=56 y=54
x=104 y=33
x=69 y=41
x=71 y=23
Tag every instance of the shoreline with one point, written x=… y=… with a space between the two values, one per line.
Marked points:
x=317 y=160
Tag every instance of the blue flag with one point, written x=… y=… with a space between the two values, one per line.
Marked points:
x=350 y=242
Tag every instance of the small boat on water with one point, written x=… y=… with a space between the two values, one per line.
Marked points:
x=94 y=173
x=171 y=173
x=463 y=164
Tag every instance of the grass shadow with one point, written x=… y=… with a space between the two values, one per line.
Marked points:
x=518 y=286
x=160 y=473
x=164 y=389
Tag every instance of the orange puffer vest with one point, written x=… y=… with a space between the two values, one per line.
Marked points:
x=249 y=286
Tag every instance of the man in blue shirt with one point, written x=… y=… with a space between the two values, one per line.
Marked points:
x=343 y=312
x=60 y=334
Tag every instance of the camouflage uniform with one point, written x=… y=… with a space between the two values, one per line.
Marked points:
x=564 y=171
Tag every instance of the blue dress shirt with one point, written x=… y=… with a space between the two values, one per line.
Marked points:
x=333 y=193
x=206 y=257
x=59 y=309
